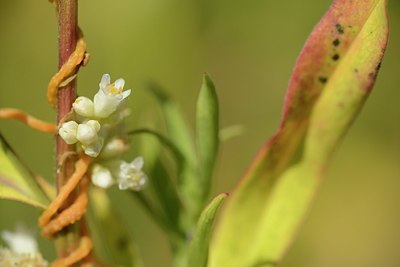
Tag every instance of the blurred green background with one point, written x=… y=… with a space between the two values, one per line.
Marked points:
x=249 y=49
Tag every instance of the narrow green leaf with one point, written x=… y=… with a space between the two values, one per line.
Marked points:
x=198 y=250
x=196 y=190
x=180 y=136
x=112 y=237
x=178 y=130
x=207 y=118
x=16 y=181
x=330 y=83
x=162 y=184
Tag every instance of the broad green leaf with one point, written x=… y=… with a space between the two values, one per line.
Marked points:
x=112 y=238
x=198 y=250
x=331 y=81
x=16 y=181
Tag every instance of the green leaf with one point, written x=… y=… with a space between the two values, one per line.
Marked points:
x=178 y=130
x=162 y=184
x=181 y=138
x=207 y=134
x=198 y=250
x=196 y=191
x=330 y=83
x=112 y=238
x=17 y=182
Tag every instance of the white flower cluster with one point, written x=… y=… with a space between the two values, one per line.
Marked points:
x=22 y=249
x=128 y=175
x=95 y=130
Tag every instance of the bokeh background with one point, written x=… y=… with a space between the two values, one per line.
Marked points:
x=249 y=49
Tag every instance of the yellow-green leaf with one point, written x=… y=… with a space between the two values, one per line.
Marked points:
x=198 y=251
x=330 y=83
x=16 y=181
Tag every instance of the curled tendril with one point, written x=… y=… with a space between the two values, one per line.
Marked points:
x=67 y=72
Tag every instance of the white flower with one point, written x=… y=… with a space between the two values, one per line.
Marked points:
x=109 y=96
x=20 y=241
x=131 y=175
x=68 y=132
x=84 y=106
x=101 y=176
x=87 y=132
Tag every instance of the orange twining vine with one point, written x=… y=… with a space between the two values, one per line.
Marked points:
x=52 y=221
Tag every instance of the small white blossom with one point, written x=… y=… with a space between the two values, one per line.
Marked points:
x=109 y=96
x=87 y=132
x=84 y=106
x=131 y=175
x=20 y=241
x=101 y=176
x=9 y=258
x=68 y=132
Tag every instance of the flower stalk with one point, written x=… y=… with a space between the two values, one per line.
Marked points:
x=67 y=39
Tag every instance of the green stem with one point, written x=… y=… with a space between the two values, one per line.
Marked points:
x=68 y=239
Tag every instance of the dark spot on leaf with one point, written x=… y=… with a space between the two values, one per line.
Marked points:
x=335 y=57
x=122 y=243
x=336 y=42
x=356 y=70
x=378 y=67
x=372 y=75
x=322 y=79
x=339 y=28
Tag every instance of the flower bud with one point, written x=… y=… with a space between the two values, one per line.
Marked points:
x=101 y=176
x=93 y=149
x=87 y=132
x=68 y=132
x=83 y=106
x=114 y=148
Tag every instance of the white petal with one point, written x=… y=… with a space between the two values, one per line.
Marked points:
x=93 y=150
x=104 y=105
x=105 y=80
x=101 y=176
x=86 y=134
x=126 y=93
x=95 y=124
x=119 y=83
x=138 y=162
x=83 y=106
x=68 y=132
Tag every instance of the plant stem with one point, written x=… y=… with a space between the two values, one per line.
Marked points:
x=67 y=38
